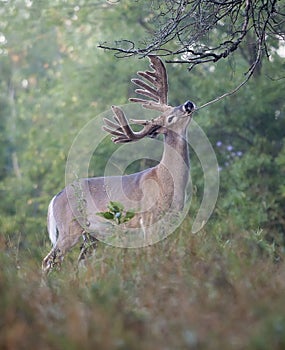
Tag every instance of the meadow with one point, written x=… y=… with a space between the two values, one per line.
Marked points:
x=190 y=291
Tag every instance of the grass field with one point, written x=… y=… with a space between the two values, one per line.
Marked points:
x=204 y=291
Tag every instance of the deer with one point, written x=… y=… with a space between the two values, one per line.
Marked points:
x=155 y=190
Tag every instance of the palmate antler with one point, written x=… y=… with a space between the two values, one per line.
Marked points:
x=158 y=92
x=156 y=88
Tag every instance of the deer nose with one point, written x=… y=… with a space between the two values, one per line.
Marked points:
x=189 y=106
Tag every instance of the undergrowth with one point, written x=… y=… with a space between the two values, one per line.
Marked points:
x=210 y=290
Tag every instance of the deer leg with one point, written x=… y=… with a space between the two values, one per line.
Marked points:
x=54 y=258
x=67 y=238
x=88 y=246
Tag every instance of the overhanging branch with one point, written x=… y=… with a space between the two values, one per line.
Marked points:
x=198 y=32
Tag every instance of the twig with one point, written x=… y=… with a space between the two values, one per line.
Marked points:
x=248 y=75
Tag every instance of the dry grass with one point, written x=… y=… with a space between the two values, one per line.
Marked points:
x=188 y=292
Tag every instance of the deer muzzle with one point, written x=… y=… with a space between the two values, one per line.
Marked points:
x=188 y=107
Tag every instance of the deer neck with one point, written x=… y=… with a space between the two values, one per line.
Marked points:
x=174 y=166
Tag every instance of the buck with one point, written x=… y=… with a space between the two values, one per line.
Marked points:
x=156 y=190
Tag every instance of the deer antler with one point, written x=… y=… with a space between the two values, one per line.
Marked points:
x=158 y=89
x=122 y=130
x=154 y=86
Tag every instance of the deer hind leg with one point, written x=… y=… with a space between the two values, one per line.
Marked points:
x=66 y=240
x=53 y=259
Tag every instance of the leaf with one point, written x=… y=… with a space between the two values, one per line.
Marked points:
x=128 y=216
x=116 y=206
x=107 y=215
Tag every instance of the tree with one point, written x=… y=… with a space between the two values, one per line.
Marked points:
x=54 y=79
x=195 y=32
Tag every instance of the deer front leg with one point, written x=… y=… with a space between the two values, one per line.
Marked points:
x=88 y=246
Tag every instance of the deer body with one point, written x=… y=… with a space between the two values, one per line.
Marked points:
x=149 y=193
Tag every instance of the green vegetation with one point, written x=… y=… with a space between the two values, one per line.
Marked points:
x=116 y=213
x=186 y=292
x=222 y=288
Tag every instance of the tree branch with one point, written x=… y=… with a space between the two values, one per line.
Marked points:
x=186 y=33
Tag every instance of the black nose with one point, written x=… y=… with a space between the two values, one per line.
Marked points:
x=189 y=106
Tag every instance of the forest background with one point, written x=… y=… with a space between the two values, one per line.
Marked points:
x=223 y=287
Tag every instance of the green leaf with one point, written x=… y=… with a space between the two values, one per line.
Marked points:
x=128 y=216
x=116 y=206
x=107 y=215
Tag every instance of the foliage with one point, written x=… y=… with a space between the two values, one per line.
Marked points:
x=49 y=91
x=186 y=31
x=188 y=291
x=117 y=213
x=221 y=288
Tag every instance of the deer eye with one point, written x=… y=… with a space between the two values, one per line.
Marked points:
x=169 y=119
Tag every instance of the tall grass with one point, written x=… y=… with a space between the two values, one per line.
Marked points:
x=211 y=290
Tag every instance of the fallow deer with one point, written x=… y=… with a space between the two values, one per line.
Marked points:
x=155 y=190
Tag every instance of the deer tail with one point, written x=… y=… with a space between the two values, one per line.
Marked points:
x=51 y=223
